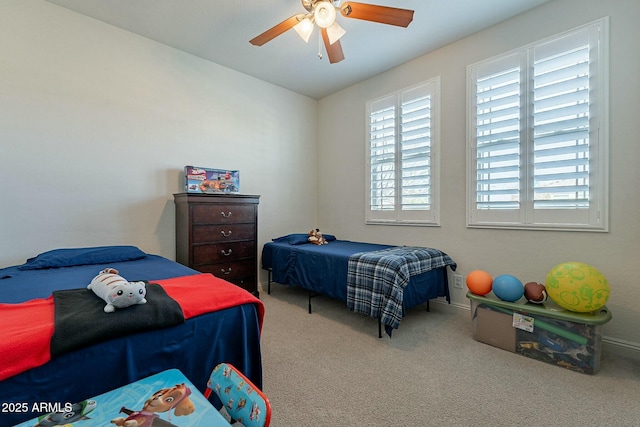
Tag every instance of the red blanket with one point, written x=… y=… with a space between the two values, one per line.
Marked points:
x=25 y=335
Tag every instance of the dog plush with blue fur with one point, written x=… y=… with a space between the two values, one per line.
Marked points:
x=116 y=291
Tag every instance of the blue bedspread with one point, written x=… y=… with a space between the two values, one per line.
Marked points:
x=376 y=280
x=318 y=268
x=18 y=285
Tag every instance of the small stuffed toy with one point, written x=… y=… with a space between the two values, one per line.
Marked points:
x=535 y=292
x=116 y=291
x=316 y=237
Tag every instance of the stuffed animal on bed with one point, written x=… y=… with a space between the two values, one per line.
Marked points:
x=316 y=237
x=116 y=291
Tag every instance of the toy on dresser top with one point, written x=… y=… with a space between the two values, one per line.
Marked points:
x=116 y=291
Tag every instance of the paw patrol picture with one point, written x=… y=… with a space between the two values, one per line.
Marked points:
x=163 y=400
x=211 y=181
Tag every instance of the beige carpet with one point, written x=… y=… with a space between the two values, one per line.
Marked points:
x=330 y=368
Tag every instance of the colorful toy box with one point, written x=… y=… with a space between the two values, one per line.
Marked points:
x=211 y=181
x=543 y=332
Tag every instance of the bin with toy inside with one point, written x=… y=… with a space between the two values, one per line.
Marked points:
x=545 y=332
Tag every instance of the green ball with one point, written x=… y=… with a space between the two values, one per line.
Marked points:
x=577 y=286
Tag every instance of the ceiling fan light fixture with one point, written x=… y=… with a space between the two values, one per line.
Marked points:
x=304 y=29
x=324 y=14
x=334 y=32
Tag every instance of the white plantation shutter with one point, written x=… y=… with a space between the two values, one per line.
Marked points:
x=498 y=135
x=415 y=149
x=382 y=155
x=401 y=138
x=561 y=124
x=537 y=135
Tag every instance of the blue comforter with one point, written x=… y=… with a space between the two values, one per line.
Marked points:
x=19 y=285
x=319 y=268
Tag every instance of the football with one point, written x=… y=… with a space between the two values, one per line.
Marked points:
x=535 y=292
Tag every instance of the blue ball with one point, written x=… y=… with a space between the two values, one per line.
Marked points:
x=508 y=288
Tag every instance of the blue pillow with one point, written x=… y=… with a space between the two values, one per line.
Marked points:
x=299 y=238
x=82 y=256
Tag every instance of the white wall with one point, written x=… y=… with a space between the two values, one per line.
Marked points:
x=528 y=255
x=97 y=123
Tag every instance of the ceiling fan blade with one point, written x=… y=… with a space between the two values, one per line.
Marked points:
x=375 y=13
x=334 y=51
x=275 y=31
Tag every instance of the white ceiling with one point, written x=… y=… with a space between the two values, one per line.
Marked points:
x=220 y=31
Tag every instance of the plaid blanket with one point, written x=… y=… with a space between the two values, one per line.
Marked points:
x=376 y=280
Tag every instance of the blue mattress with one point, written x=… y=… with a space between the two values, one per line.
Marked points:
x=195 y=347
x=323 y=269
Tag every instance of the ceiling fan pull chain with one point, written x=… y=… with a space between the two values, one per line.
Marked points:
x=319 y=45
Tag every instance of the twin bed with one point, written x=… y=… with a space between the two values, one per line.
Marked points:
x=49 y=355
x=382 y=281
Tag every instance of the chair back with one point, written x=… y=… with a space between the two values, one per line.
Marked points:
x=241 y=398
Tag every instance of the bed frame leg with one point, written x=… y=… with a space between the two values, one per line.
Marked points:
x=311 y=295
x=379 y=328
x=269 y=283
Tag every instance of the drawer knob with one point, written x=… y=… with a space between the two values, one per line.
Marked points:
x=227 y=253
x=226 y=234
x=226 y=272
x=226 y=215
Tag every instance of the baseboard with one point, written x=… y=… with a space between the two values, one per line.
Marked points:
x=622 y=348
x=453 y=304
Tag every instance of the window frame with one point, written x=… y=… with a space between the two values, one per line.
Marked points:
x=593 y=218
x=398 y=216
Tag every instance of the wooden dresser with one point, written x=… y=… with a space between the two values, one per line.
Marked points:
x=218 y=234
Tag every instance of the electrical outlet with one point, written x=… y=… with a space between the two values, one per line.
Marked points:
x=457 y=281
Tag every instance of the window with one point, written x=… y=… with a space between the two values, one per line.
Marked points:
x=402 y=156
x=538 y=135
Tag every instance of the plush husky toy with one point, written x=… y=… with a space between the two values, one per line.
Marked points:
x=116 y=291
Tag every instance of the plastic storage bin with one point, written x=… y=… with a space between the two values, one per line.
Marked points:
x=543 y=332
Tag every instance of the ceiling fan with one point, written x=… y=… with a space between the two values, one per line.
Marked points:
x=323 y=13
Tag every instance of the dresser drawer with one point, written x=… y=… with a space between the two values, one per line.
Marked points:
x=223 y=252
x=248 y=283
x=222 y=214
x=223 y=233
x=230 y=270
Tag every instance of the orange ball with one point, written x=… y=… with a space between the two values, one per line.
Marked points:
x=479 y=282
